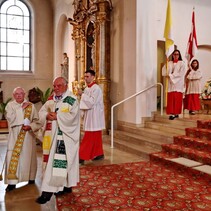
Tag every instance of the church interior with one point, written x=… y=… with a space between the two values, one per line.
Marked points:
x=151 y=163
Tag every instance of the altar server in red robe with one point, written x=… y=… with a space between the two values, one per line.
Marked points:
x=92 y=108
x=194 y=76
x=175 y=72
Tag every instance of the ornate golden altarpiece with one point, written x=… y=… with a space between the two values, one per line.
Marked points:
x=91 y=33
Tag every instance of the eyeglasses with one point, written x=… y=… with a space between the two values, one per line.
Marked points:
x=176 y=54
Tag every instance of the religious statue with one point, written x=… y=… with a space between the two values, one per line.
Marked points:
x=65 y=66
x=91 y=46
x=92 y=6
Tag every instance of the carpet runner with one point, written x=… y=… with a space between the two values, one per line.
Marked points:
x=138 y=186
x=194 y=145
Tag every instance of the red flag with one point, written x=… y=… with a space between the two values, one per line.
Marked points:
x=192 y=42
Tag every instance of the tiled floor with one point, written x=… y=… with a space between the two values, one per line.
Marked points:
x=23 y=198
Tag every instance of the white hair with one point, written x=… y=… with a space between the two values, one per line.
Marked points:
x=63 y=79
x=15 y=89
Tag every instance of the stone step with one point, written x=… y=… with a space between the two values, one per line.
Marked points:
x=166 y=135
x=137 y=149
x=141 y=140
x=178 y=122
x=161 y=132
x=176 y=128
x=151 y=137
x=4 y=131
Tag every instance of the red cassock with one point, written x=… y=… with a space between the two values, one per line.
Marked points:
x=174 y=103
x=192 y=102
x=91 y=145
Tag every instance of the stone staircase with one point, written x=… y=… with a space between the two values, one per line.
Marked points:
x=169 y=141
x=150 y=138
x=192 y=150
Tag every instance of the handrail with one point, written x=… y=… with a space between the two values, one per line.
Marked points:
x=140 y=92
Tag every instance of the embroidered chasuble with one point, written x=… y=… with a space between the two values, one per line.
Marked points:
x=59 y=172
x=61 y=158
x=47 y=139
x=18 y=147
x=46 y=143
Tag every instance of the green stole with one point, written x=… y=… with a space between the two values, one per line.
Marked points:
x=18 y=147
x=59 y=171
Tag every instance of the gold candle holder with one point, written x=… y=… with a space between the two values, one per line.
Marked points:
x=75 y=87
x=82 y=84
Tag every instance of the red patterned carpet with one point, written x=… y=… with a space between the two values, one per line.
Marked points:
x=138 y=186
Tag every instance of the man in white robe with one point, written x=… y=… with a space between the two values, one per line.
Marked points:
x=22 y=120
x=62 y=137
x=91 y=104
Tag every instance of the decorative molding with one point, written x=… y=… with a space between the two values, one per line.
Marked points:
x=205 y=47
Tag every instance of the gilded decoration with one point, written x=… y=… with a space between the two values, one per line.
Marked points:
x=91 y=33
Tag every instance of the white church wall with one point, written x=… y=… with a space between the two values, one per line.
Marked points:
x=204 y=57
x=146 y=71
x=123 y=58
x=63 y=41
x=150 y=22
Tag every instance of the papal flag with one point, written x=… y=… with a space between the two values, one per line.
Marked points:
x=168 y=34
x=192 y=41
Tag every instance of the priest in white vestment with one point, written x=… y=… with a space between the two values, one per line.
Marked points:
x=61 y=118
x=21 y=159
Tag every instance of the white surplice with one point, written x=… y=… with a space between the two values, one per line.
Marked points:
x=92 y=106
x=176 y=73
x=194 y=82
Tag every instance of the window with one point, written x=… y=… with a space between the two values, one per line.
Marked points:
x=15 y=36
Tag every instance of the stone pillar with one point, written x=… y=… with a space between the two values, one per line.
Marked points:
x=103 y=39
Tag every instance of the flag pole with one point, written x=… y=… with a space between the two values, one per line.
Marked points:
x=169 y=42
x=166 y=85
x=192 y=46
